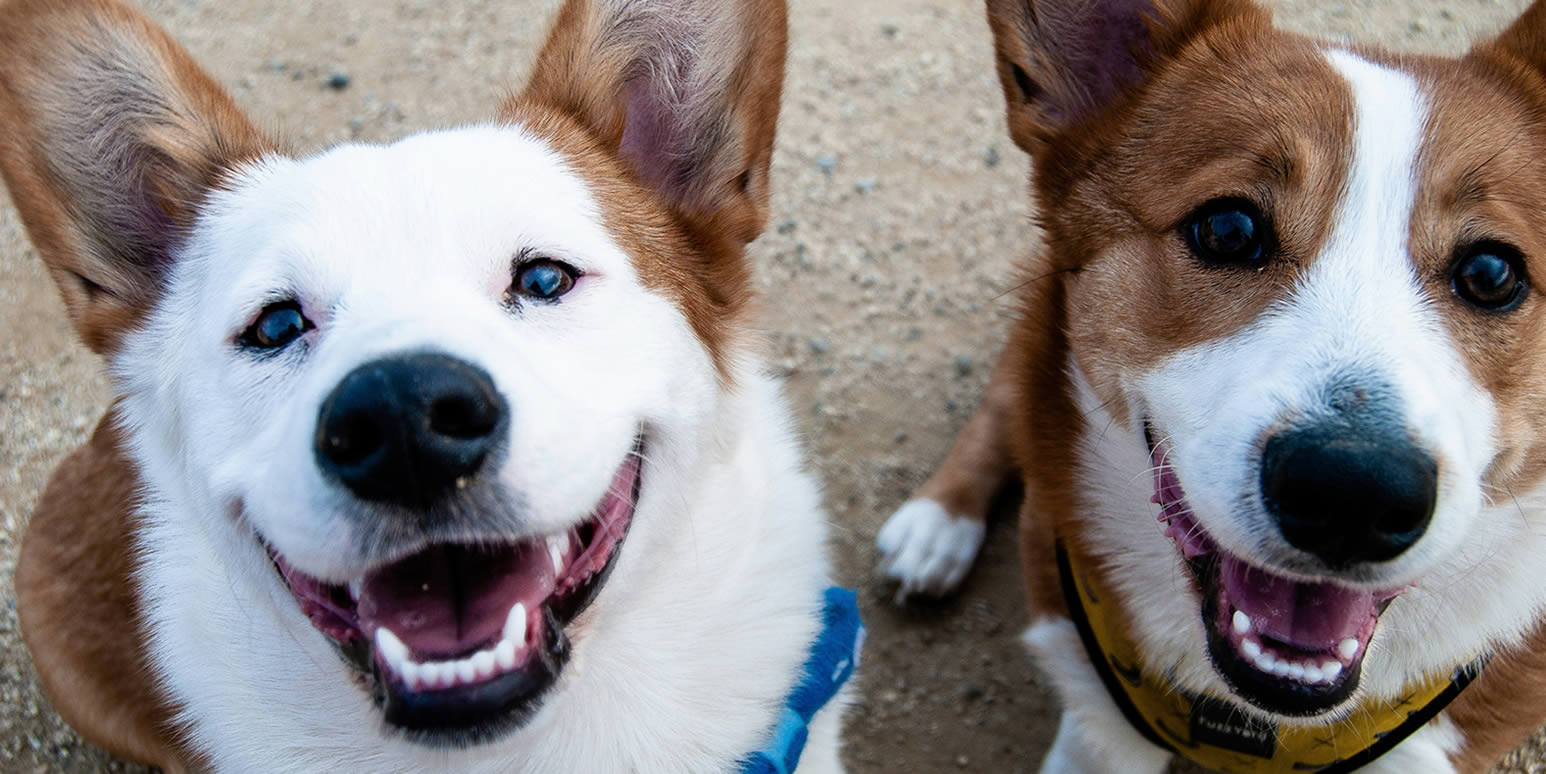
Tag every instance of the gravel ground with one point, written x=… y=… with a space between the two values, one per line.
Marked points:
x=899 y=210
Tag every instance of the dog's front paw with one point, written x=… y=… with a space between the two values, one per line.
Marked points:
x=925 y=550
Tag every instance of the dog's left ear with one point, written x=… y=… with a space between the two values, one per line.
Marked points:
x=685 y=91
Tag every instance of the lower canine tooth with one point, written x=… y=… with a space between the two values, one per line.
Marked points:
x=1347 y=649
x=1242 y=623
x=515 y=624
x=557 y=548
x=392 y=649
x=504 y=655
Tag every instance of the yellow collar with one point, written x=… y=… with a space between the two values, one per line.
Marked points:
x=1216 y=734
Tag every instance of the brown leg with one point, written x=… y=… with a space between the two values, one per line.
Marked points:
x=80 y=612
x=929 y=544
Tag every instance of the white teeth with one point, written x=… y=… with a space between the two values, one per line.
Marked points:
x=504 y=655
x=411 y=673
x=558 y=548
x=1347 y=649
x=483 y=664
x=1242 y=623
x=390 y=647
x=1251 y=648
x=515 y=625
x=354 y=589
x=1264 y=661
x=465 y=671
x=1306 y=672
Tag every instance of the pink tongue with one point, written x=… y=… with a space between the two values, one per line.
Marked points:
x=448 y=601
x=1310 y=616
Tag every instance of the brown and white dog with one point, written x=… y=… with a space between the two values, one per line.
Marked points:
x=1277 y=383
x=452 y=454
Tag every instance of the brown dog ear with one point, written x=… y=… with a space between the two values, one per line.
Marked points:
x=110 y=137
x=685 y=91
x=1524 y=41
x=1065 y=62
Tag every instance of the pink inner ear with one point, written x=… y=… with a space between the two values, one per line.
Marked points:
x=1097 y=46
x=649 y=138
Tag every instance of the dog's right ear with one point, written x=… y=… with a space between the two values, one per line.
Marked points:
x=686 y=92
x=1065 y=62
x=110 y=138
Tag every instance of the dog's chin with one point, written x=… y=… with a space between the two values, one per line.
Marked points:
x=1287 y=646
x=458 y=643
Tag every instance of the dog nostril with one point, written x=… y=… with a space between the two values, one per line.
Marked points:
x=1349 y=495
x=462 y=417
x=350 y=440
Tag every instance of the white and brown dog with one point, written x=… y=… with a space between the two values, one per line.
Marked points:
x=1275 y=393
x=449 y=455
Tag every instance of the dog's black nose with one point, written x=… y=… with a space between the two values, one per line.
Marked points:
x=1348 y=493
x=405 y=429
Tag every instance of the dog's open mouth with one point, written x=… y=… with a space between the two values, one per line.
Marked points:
x=459 y=642
x=1288 y=646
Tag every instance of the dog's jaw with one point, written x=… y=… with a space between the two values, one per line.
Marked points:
x=1289 y=646
x=459 y=642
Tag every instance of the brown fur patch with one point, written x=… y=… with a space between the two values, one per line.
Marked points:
x=1135 y=293
x=80 y=615
x=1483 y=171
x=711 y=282
x=685 y=218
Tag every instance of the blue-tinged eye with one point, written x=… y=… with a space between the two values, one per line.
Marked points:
x=277 y=325
x=544 y=279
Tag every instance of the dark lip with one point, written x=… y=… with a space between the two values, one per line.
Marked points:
x=1267 y=692
x=468 y=715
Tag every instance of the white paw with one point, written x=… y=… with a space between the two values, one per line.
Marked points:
x=926 y=550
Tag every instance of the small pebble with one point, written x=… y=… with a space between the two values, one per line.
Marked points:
x=963 y=365
x=338 y=81
x=865 y=185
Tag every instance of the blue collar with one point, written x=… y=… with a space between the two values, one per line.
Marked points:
x=833 y=658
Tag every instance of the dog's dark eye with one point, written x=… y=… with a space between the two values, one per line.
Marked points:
x=277 y=325
x=543 y=278
x=1490 y=275
x=1226 y=231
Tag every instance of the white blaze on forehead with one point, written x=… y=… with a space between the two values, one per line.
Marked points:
x=1364 y=275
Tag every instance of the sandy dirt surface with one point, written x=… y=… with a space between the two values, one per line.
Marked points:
x=899 y=210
